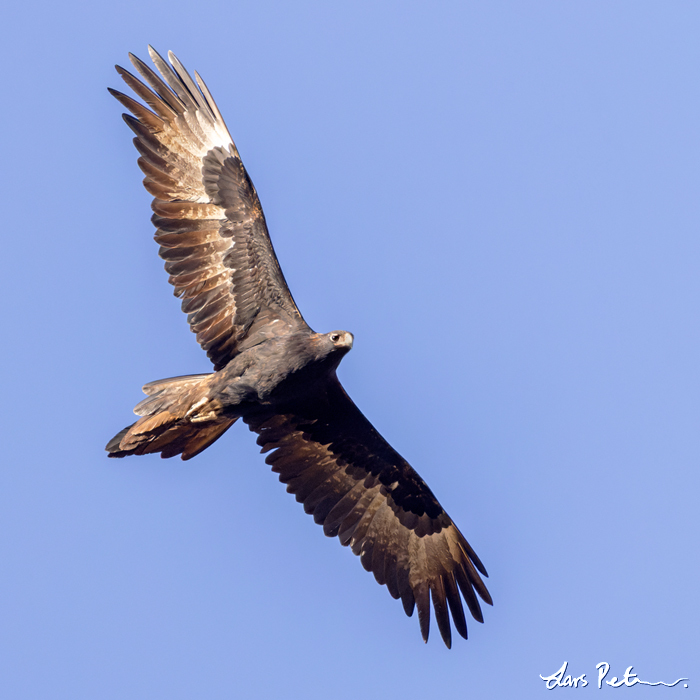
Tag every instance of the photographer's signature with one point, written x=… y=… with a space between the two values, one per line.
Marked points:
x=560 y=679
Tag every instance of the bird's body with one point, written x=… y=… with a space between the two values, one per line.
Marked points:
x=281 y=370
x=270 y=369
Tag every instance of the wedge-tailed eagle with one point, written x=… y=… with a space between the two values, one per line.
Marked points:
x=270 y=369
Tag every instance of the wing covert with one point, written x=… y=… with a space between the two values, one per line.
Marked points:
x=210 y=225
x=362 y=491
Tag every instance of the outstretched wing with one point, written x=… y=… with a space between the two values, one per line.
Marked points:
x=210 y=225
x=362 y=491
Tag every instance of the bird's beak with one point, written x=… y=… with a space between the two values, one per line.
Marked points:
x=348 y=340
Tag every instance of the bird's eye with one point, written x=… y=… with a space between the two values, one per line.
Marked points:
x=335 y=337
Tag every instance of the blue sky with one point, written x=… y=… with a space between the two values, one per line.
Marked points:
x=500 y=201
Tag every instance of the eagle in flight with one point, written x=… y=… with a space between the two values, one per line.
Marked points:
x=270 y=369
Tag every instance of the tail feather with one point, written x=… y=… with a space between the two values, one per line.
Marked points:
x=163 y=393
x=182 y=381
x=177 y=417
x=113 y=444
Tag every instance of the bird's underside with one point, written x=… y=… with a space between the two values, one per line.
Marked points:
x=270 y=369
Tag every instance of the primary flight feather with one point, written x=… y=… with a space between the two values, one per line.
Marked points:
x=270 y=369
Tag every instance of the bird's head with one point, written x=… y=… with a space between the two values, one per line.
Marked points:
x=341 y=340
x=330 y=348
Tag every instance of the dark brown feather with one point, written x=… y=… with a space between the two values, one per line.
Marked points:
x=455 y=603
x=421 y=592
x=363 y=492
x=437 y=591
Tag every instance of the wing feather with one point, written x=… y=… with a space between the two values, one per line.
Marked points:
x=362 y=491
x=455 y=603
x=208 y=218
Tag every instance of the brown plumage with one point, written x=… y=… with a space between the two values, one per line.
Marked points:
x=270 y=369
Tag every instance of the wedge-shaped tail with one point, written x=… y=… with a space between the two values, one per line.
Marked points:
x=177 y=417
